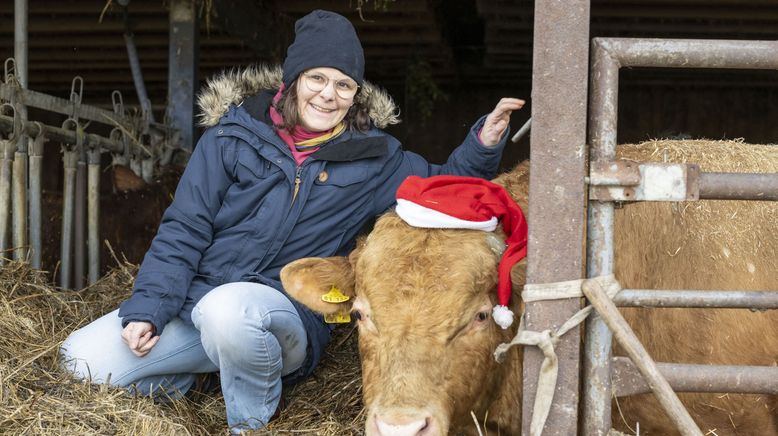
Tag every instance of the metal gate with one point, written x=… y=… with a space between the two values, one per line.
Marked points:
x=610 y=181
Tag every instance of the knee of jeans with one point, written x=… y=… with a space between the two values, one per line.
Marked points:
x=84 y=359
x=229 y=320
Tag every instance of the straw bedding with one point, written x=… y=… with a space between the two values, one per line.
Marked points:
x=37 y=397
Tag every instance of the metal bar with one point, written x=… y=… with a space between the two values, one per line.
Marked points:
x=70 y=161
x=21 y=44
x=596 y=419
x=692 y=53
x=79 y=240
x=697 y=378
x=58 y=134
x=738 y=186
x=63 y=106
x=60 y=105
x=36 y=173
x=21 y=12
x=182 y=70
x=137 y=74
x=93 y=203
x=558 y=138
x=757 y=300
x=632 y=346
x=6 y=166
x=522 y=131
x=19 y=199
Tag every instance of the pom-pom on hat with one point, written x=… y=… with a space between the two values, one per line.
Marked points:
x=468 y=203
x=324 y=39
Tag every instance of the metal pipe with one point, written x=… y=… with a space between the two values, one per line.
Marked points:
x=58 y=134
x=756 y=300
x=522 y=131
x=632 y=346
x=65 y=107
x=691 y=53
x=596 y=419
x=738 y=186
x=6 y=166
x=36 y=173
x=137 y=73
x=21 y=12
x=93 y=203
x=21 y=44
x=79 y=254
x=70 y=162
x=19 y=197
x=697 y=378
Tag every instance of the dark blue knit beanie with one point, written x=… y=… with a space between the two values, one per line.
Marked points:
x=324 y=39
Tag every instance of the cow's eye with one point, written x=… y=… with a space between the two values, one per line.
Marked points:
x=482 y=316
x=357 y=315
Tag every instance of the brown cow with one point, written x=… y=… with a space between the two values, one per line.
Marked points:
x=423 y=298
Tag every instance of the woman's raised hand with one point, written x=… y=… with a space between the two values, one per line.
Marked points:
x=139 y=336
x=497 y=121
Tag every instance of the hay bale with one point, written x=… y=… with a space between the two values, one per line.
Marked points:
x=37 y=397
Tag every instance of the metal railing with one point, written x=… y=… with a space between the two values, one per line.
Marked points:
x=137 y=142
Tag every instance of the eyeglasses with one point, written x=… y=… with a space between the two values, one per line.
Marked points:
x=345 y=88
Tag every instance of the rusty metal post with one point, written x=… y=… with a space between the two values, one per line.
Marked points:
x=632 y=346
x=182 y=68
x=558 y=162
x=93 y=203
x=603 y=105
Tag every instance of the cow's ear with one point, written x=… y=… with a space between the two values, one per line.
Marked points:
x=308 y=280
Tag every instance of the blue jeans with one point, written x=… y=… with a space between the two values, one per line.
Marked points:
x=249 y=332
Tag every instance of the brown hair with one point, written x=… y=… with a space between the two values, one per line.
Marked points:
x=356 y=119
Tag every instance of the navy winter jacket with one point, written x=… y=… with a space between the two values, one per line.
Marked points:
x=235 y=216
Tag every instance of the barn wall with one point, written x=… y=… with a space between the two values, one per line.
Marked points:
x=645 y=112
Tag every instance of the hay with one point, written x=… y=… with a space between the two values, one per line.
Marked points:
x=37 y=397
x=737 y=234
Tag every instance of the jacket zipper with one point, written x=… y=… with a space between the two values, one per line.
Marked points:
x=297 y=181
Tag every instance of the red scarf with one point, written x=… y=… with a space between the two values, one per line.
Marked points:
x=297 y=135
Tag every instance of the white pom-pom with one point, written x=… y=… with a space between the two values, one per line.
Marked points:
x=502 y=316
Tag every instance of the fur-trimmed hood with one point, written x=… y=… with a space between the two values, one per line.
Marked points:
x=232 y=86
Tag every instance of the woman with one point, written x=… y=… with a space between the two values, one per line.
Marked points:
x=293 y=165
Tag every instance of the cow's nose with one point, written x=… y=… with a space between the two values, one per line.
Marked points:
x=403 y=426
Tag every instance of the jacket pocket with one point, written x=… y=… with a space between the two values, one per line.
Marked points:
x=341 y=176
x=252 y=166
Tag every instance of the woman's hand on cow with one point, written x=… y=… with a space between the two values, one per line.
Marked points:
x=140 y=337
x=497 y=121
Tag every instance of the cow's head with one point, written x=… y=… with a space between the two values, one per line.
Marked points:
x=423 y=301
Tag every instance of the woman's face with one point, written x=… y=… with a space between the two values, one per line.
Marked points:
x=322 y=110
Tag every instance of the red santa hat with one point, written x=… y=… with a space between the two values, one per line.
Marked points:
x=468 y=203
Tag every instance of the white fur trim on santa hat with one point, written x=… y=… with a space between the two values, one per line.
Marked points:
x=420 y=216
x=502 y=316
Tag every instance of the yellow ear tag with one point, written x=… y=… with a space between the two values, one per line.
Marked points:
x=337 y=318
x=335 y=296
